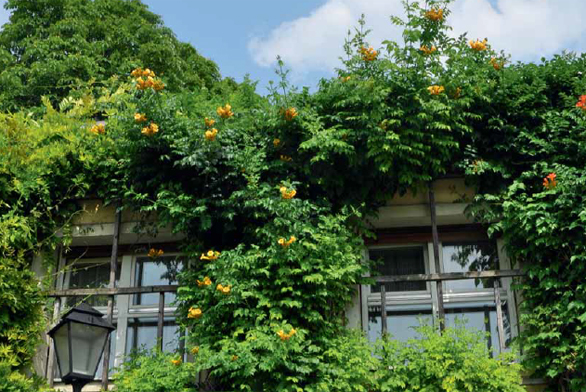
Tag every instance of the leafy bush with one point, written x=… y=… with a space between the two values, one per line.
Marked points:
x=11 y=381
x=456 y=360
x=155 y=371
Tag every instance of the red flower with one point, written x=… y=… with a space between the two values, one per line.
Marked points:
x=582 y=102
x=549 y=181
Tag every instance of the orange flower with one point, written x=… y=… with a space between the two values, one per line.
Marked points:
x=457 y=93
x=209 y=122
x=148 y=73
x=549 y=182
x=176 y=362
x=155 y=253
x=137 y=72
x=219 y=287
x=497 y=65
x=286 y=194
x=150 y=130
x=276 y=142
x=285 y=158
x=435 y=90
x=286 y=336
x=478 y=45
x=195 y=350
x=344 y=78
x=194 y=313
x=211 y=134
x=234 y=357
x=211 y=255
x=98 y=129
x=158 y=85
x=290 y=114
x=435 y=14
x=284 y=243
x=139 y=117
x=225 y=112
x=226 y=290
x=368 y=54
x=206 y=282
x=427 y=50
x=582 y=102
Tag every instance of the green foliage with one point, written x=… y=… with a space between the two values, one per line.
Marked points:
x=456 y=360
x=17 y=382
x=154 y=371
x=51 y=46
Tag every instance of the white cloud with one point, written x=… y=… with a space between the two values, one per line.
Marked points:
x=528 y=29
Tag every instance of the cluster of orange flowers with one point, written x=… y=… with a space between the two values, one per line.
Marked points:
x=223 y=289
x=150 y=130
x=285 y=158
x=290 y=114
x=286 y=243
x=211 y=255
x=139 y=118
x=478 y=45
x=368 y=54
x=155 y=253
x=225 y=112
x=146 y=79
x=194 y=313
x=582 y=103
x=286 y=336
x=428 y=50
x=287 y=194
x=436 y=90
x=435 y=14
x=206 y=282
x=498 y=65
x=549 y=181
x=98 y=129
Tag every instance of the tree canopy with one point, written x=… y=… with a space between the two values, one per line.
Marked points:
x=51 y=46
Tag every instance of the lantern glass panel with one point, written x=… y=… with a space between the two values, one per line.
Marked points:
x=61 y=340
x=87 y=343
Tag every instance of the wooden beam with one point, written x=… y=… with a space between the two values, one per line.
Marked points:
x=451 y=276
x=383 y=309
x=160 y=319
x=111 y=285
x=114 y=291
x=439 y=286
x=499 y=316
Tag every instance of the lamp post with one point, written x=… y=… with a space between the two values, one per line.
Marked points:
x=79 y=339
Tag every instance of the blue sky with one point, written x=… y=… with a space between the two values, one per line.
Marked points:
x=245 y=36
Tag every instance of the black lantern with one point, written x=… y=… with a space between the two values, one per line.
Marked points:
x=79 y=338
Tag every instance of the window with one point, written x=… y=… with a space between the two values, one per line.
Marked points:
x=408 y=304
x=135 y=316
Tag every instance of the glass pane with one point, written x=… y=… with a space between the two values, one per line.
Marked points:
x=400 y=324
x=111 y=361
x=90 y=275
x=87 y=342
x=399 y=261
x=481 y=256
x=481 y=318
x=142 y=334
x=62 y=349
x=154 y=272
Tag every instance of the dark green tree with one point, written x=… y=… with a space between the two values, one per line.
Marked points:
x=51 y=46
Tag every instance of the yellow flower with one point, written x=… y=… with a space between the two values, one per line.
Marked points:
x=226 y=290
x=284 y=243
x=234 y=357
x=148 y=73
x=290 y=114
x=211 y=255
x=209 y=122
x=98 y=129
x=497 y=65
x=286 y=194
x=286 y=336
x=276 y=142
x=368 y=54
x=194 y=313
x=139 y=117
x=292 y=239
x=427 y=50
x=211 y=135
x=195 y=350
x=478 y=45
x=158 y=85
x=176 y=362
x=225 y=112
x=285 y=158
x=206 y=282
x=150 y=130
x=435 y=14
x=155 y=253
x=344 y=78
x=292 y=332
x=219 y=287
x=137 y=72
x=435 y=90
